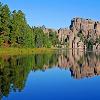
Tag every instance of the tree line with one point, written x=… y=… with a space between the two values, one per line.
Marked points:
x=16 y=32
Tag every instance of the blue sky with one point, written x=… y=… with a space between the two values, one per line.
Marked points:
x=55 y=13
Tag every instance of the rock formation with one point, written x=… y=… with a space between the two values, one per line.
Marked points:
x=80 y=31
x=90 y=29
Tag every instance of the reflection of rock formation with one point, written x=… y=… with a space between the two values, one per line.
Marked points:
x=81 y=64
x=88 y=67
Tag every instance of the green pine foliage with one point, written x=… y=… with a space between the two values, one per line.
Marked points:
x=15 y=31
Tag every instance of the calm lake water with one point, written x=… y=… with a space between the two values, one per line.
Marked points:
x=62 y=75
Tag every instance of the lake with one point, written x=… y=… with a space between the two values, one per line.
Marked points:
x=59 y=75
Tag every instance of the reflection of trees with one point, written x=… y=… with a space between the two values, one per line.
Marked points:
x=13 y=73
x=14 y=70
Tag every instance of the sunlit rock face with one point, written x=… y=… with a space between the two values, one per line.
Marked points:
x=88 y=28
x=64 y=35
x=84 y=25
x=85 y=28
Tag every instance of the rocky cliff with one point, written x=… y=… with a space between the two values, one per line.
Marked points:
x=82 y=33
x=86 y=26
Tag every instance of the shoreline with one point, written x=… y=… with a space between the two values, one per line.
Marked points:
x=25 y=51
x=28 y=51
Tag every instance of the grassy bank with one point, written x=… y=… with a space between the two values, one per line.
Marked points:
x=24 y=51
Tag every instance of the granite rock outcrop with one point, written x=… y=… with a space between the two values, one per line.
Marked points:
x=81 y=34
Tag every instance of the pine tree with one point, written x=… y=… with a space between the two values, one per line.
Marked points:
x=5 y=22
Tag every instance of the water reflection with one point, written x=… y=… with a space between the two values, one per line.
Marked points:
x=14 y=70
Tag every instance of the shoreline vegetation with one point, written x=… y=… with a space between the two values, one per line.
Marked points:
x=18 y=38
x=30 y=51
x=25 y=51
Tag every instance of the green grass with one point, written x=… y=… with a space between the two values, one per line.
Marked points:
x=24 y=51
